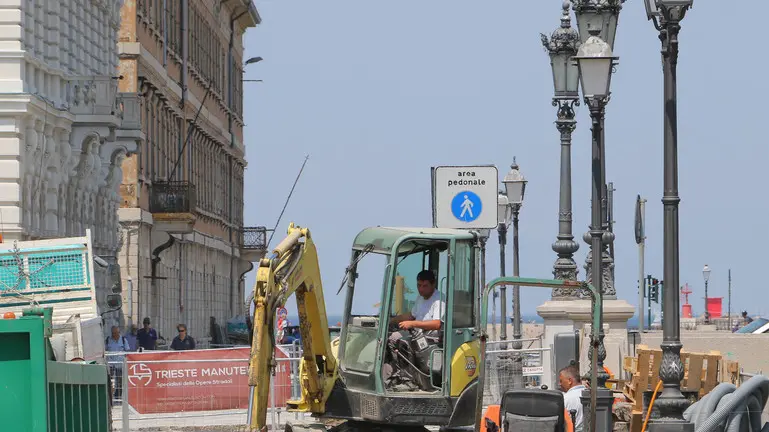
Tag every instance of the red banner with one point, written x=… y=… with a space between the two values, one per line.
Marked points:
x=198 y=380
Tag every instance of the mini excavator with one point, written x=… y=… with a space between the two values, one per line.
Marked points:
x=366 y=380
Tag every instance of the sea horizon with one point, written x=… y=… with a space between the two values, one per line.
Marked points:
x=336 y=320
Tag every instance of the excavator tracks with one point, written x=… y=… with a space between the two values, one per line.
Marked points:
x=348 y=426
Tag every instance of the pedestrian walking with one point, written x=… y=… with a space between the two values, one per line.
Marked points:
x=116 y=343
x=147 y=337
x=131 y=338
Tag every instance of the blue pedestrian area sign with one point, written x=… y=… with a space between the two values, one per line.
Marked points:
x=465 y=197
x=466 y=206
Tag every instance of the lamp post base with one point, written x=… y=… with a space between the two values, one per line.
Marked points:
x=603 y=412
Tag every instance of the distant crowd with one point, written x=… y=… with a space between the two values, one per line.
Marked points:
x=143 y=339
x=146 y=339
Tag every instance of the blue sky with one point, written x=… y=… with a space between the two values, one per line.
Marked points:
x=378 y=92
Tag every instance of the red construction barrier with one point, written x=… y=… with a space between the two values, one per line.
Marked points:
x=714 y=306
x=197 y=380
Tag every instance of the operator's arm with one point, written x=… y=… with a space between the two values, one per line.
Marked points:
x=424 y=325
x=401 y=318
x=431 y=321
x=405 y=317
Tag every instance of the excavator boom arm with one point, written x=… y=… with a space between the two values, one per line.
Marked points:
x=292 y=269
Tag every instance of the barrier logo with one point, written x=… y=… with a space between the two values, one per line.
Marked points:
x=470 y=365
x=141 y=373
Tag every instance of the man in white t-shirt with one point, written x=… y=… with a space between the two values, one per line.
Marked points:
x=571 y=385
x=426 y=314
x=428 y=310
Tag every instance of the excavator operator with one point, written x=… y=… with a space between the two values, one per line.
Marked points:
x=413 y=335
x=427 y=312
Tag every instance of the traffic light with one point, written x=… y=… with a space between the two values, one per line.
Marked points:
x=654 y=290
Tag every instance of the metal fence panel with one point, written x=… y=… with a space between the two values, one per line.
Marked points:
x=126 y=417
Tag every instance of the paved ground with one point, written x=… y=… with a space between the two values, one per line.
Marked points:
x=214 y=421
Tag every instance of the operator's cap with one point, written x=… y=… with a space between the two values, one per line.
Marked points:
x=146 y=320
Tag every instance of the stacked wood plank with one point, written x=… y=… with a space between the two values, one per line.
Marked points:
x=702 y=373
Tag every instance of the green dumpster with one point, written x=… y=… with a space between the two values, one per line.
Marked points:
x=39 y=394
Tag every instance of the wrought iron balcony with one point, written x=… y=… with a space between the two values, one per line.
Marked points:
x=172 y=205
x=254 y=238
x=172 y=197
x=253 y=243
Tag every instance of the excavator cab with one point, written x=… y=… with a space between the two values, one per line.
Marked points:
x=387 y=374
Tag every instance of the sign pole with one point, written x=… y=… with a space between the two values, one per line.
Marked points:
x=640 y=240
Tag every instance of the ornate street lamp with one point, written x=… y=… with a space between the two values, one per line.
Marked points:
x=515 y=185
x=515 y=189
x=504 y=211
x=504 y=215
x=561 y=47
x=666 y=16
x=602 y=15
x=595 y=61
x=706 y=277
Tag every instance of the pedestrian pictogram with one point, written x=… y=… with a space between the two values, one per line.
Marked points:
x=466 y=206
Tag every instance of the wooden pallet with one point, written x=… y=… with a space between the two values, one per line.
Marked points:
x=702 y=372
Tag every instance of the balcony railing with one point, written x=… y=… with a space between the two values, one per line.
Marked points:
x=172 y=197
x=92 y=95
x=254 y=238
x=127 y=108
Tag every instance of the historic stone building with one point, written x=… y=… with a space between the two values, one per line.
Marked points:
x=65 y=127
x=185 y=249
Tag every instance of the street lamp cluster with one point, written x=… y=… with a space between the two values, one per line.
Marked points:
x=585 y=56
x=509 y=202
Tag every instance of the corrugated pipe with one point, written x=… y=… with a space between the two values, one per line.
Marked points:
x=732 y=409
